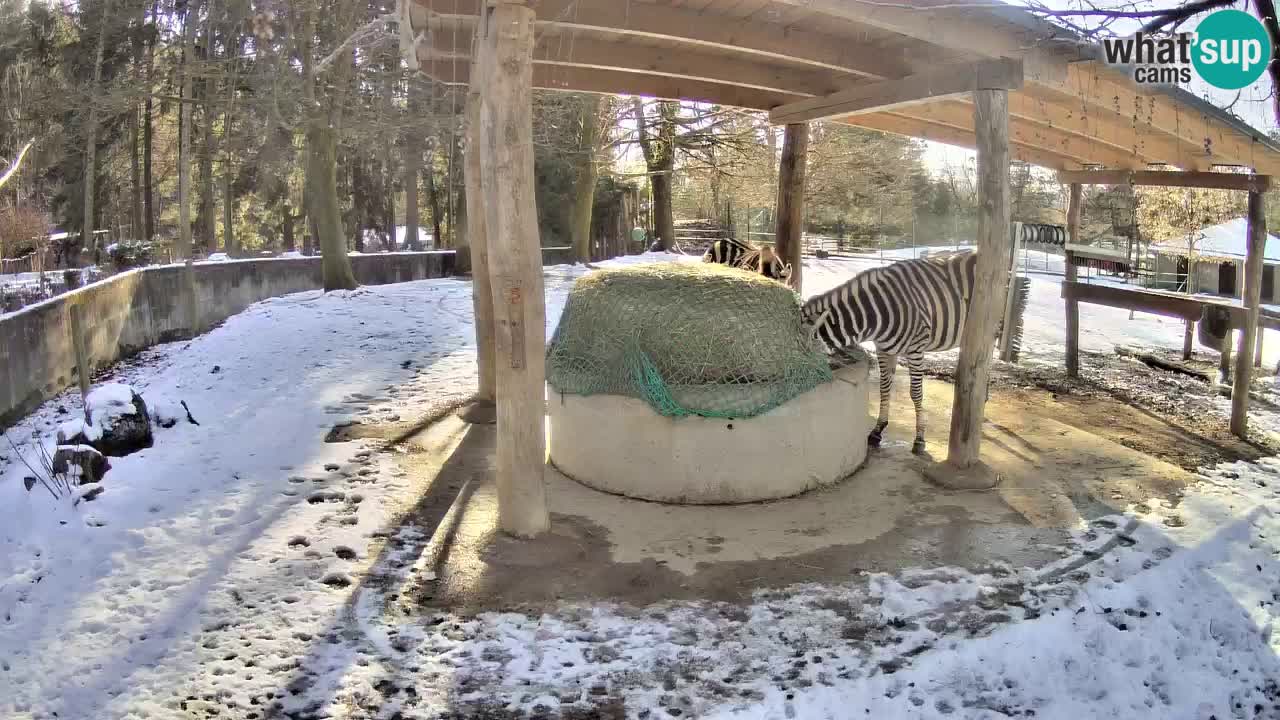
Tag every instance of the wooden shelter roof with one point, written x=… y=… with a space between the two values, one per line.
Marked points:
x=1067 y=110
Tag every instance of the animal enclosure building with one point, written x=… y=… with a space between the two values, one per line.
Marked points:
x=990 y=77
x=1218 y=256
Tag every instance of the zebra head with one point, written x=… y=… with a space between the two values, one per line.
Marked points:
x=830 y=323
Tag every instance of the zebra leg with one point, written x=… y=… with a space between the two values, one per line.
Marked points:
x=915 y=366
x=888 y=364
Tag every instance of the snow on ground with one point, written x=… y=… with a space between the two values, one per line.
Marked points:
x=218 y=573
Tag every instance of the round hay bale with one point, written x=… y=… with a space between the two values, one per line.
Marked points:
x=687 y=338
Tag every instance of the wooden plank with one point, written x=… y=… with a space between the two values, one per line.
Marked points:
x=945 y=82
x=1170 y=178
x=991 y=118
x=595 y=80
x=1174 y=306
x=736 y=36
x=1075 y=206
x=1252 y=297
x=960 y=115
x=791 y=179
x=966 y=30
x=515 y=259
x=566 y=49
x=1105 y=128
x=478 y=244
x=938 y=132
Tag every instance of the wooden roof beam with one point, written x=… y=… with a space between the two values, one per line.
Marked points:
x=1201 y=140
x=690 y=64
x=456 y=71
x=739 y=36
x=1107 y=128
x=1166 y=178
x=961 y=30
x=960 y=116
x=944 y=82
x=937 y=132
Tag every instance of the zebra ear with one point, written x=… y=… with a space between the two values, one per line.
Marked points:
x=786 y=271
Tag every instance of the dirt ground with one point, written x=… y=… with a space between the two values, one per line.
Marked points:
x=1068 y=454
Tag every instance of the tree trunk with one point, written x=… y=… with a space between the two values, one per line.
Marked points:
x=287 y=229
x=584 y=191
x=91 y=135
x=791 y=177
x=664 y=222
x=135 y=175
x=184 y=170
x=322 y=198
x=433 y=198
x=148 y=188
x=412 y=159
x=208 y=206
x=228 y=212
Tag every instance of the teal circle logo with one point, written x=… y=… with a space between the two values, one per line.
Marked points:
x=1231 y=49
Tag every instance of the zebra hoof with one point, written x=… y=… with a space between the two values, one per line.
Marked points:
x=917 y=447
x=873 y=440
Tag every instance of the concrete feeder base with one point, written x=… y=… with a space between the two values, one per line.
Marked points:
x=618 y=444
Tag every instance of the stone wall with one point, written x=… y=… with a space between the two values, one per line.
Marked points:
x=134 y=310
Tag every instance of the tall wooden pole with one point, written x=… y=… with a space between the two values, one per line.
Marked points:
x=991 y=128
x=1252 y=299
x=790 y=222
x=515 y=265
x=1074 y=206
x=477 y=251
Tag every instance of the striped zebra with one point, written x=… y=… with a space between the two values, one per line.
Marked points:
x=745 y=256
x=908 y=308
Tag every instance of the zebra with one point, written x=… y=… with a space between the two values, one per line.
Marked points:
x=745 y=256
x=908 y=308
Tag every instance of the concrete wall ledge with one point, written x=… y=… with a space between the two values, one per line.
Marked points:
x=131 y=311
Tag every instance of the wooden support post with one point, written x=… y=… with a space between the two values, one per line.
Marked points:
x=515 y=264
x=1252 y=297
x=477 y=254
x=991 y=123
x=83 y=371
x=1187 y=333
x=1224 y=358
x=1074 y=205
x=790 y=221
x=1257 y=348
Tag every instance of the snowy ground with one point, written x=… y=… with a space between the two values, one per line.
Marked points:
x=219 y=574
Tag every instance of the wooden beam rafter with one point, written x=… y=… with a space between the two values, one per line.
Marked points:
x=684 y=63
x=932 y=85
x=739 y=36
x=960 y=116
x=1170 y=178
x=937 y=132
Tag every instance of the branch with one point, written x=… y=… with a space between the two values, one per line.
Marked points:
x=13 y=168
x=372 y=30
x=1177 y=15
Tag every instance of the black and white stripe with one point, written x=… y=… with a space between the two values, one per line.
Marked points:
x=745 y=256
x=908 y=308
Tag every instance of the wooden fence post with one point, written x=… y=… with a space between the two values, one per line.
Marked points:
x=991 y=123
x=515 y=264
x=1187 y=333
x=1006 y=337
x=1074 y=205
x=1252 y=296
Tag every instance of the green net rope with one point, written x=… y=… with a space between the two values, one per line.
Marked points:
x=687 y=338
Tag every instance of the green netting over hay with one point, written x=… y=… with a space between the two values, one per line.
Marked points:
x=688 y=338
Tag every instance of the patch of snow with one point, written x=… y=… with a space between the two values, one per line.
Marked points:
x=72 y=428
